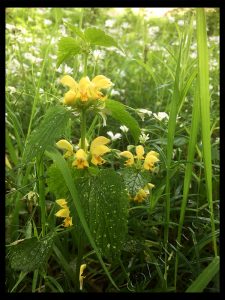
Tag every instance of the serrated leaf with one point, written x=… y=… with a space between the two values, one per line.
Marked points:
x=29 y=254
x=67 y=47
x=104 y=201
x=134 y=180
x=98 y=37
x=76 y=30
x=51 y=127
x=118 y=112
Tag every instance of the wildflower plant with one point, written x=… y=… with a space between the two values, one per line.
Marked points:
x=91 y=197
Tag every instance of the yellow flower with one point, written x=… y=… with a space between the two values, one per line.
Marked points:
x=130 y=157
x=85 y=89
x=64 y=212
x=141 y=195
x=140 y=152
x=67 y=222
x=98 y=149
x=81 y=160
x=150 y=159
x=65 y=145
x=81 y=276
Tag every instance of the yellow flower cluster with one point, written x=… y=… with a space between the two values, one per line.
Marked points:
x=85 y=90
x=97 y=149
x=143 y=193
x=149 y=161
x=64 y=212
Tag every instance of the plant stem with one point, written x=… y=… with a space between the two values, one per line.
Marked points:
x=83 y=128
x=85 y=64
x=79 y=260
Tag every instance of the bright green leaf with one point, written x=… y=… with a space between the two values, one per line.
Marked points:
x=67 y=47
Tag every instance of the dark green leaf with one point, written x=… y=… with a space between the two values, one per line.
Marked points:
x=67 y=47
x=52 y=126
x=118 y=112
x=29 y=254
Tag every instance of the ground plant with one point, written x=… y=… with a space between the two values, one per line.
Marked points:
x=112 y=150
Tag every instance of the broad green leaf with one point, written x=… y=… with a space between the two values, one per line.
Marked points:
x=29 y=254
x=118 y=112
x=67 y=47
x=98 y=37
x=205 y=277
x=135 y=180
x=51 y=127
x=55 y=182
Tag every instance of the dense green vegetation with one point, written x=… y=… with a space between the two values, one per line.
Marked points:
x=162 y=87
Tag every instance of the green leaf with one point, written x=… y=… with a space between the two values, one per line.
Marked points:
x=205 y=277
x=52 y=126
x=105 y=202
x=55 y=182
x=135 y=180
x=118 y=112
x=29 y=254
x=67 y=47
x=76 y=30
x=98 y=37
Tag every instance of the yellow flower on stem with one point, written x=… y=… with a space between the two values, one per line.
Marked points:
x=85 y=89
x=141 y=195
x=64 y=212
x=80 y=160
x=150 y=159
x=65 y=145
x=98 y=149
x=130 y=157
x=81 y=276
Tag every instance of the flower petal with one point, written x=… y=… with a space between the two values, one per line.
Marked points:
x=100 y=140
x=100 y=150
x=70 y=98
x=81 y=159
x=81 y=276
x=69 y=81
x=150 y=160
x=67 y=222
x=64 y=145
x=62 y=203
x=130 y=157
x=63 y=213
x=101 y=82
x=140 y=152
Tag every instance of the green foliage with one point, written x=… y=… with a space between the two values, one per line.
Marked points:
x=30 y=254
x=135 y=180
x=118 y=112
x=67 y=47
x=205 y=277
x=51 y=127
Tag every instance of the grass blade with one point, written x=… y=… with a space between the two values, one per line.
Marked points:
x=203 y=61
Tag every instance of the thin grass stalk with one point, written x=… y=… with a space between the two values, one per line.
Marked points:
x=188 y=170
x=41 y=192
x=203 y=61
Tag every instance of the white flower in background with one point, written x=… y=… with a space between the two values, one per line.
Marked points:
x=11 y=90
x=171 y=19
x=98 y=54
x=52 y=56
x=115 y=93
x=180 y=22
x=143 y=138
x=124 y=128
x=67 y=69
x=125 y=25
x=10 y=26
x=41 y=91
x=114 y=137
x=47 y=22
x=32 y=58
x=109 y=23
x=193 y=55
x=142 y=112
x=161 y=115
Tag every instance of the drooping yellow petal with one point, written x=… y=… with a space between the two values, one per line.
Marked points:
x=97 y=160
x=151 y=186
x=100 y=140
x=101 y=82
x=63 y=213
x=80 y=160
x=62 y=203
x=100 y=150
x=150 y=160
x=70 y=97
x=67 y=222
x=140 y=152
x=141 y=195
x=156 y=154
x=81 y=276
x=130 y=157
x=64 y=145
x=69 y=81
x=84 y=87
